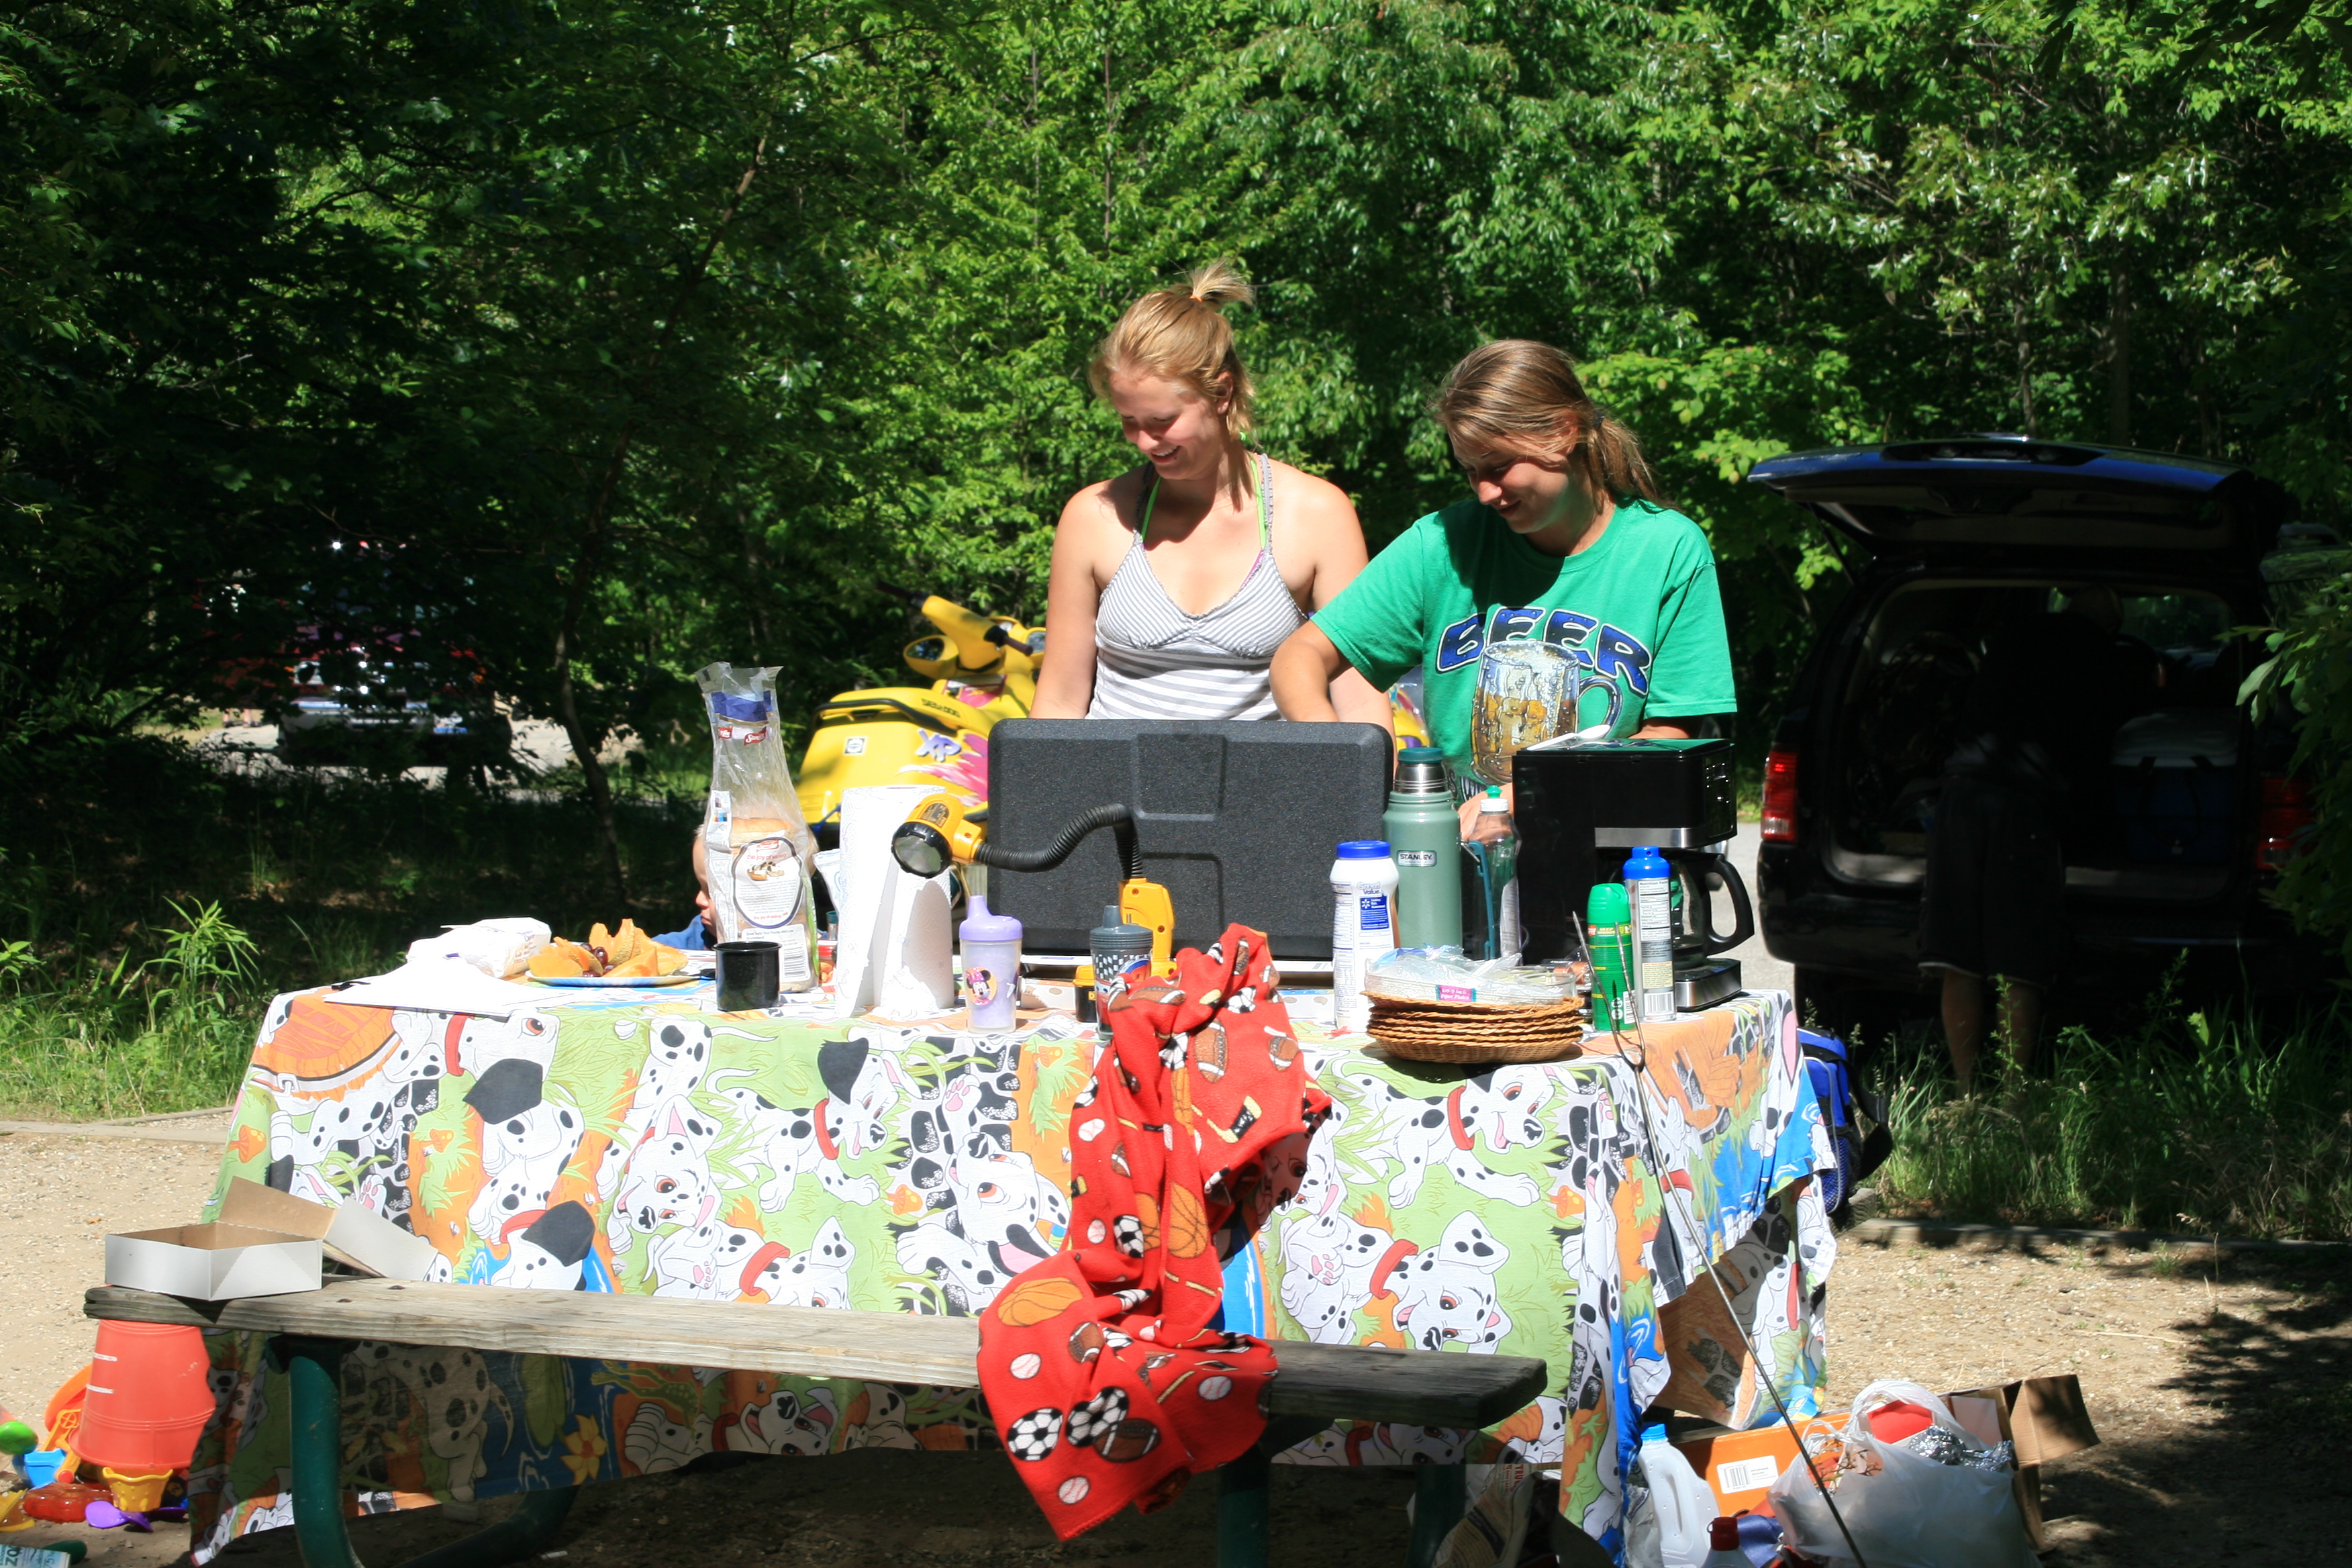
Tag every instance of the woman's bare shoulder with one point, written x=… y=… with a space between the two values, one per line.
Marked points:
x=1321 y=507
x=1106 y=503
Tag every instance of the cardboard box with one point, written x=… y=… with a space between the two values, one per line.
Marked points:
x=1740 y=1466
x=214 y=1262
x=353 y=1234
x=2044 y=1416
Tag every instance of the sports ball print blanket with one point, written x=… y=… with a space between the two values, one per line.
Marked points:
x=1100 y=1365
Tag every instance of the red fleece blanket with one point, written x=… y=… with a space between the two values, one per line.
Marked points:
x=1097 y=1365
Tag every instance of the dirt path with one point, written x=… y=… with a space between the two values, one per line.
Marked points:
x=2220 y=1393
x=59 y=1195
x=2218 y=1389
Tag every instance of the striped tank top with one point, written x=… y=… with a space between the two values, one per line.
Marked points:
x=1155 y=660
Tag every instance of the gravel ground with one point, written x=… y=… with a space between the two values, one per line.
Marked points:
x=2219 y=1390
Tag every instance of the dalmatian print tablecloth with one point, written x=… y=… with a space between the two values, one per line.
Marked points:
x=609 y=1140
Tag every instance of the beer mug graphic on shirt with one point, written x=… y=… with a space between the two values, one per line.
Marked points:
x=1530 y=691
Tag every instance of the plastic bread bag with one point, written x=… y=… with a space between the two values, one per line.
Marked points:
x=760 y=851
x=1493 y=1530
x=1904 y=1507
x=1444 y=974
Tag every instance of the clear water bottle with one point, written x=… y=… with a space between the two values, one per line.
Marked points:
x=1723 y=1549
x=1494 y=844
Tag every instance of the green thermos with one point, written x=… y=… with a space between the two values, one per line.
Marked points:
x=1609 y=935
x=1425 y=832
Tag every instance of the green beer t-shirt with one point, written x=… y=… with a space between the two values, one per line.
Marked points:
x=1632 y=626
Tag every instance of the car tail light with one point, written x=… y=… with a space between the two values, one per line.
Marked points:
x=2287 y=820
x=1781 y=797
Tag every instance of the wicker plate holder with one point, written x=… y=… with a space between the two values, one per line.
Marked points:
x=1474 y=1034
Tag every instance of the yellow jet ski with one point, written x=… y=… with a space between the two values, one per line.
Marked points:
x=981 y=668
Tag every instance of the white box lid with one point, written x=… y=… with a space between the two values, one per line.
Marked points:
x=2178 y=738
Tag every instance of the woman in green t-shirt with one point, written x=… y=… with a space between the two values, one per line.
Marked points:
x=1566 y=556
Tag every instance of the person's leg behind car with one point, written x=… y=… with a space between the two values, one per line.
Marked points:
x=1992 y=908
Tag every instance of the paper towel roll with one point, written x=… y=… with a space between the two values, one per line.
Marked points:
x=895 y=956
x=919 y=980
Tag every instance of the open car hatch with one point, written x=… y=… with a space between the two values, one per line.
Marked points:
x=2018 y=496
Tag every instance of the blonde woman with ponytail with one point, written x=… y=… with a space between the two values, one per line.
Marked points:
x=1565 y=541
x=1174 y=584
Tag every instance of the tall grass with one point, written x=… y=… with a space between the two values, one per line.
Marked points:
x=2199 y=1122
x=169 y=1033
x=150 y=907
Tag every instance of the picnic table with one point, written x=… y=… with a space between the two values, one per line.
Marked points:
x=632 y=1143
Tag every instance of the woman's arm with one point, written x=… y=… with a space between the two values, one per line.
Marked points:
x=1304 y=666
x=1359 y=701
x=1065 y=683
x=1334 y=537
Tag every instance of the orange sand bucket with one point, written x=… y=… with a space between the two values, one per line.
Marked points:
x=148 y=1399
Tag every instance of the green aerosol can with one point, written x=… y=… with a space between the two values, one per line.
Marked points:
x=1609 y=934
x=1425 y=832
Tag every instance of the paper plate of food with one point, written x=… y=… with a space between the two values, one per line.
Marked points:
x=625 y=958
x=607 y=982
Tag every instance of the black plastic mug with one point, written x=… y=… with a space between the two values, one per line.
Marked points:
x=748 y=976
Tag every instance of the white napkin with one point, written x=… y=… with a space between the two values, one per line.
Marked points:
x=442 y=985
x=500 y=947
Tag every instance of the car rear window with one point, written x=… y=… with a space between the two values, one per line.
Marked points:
x=1902 y=706
x=2180 y=623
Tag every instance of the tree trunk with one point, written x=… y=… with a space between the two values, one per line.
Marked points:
x=583 y=745
x=592 y=541
x=1110 y=147
x=755 y=576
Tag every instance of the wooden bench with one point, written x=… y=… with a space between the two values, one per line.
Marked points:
x=1318 y=1384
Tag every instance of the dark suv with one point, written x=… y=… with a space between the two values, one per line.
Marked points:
x=1960 y=536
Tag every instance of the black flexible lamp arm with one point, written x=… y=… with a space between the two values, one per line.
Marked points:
x=1117 y=818
x=922 y=850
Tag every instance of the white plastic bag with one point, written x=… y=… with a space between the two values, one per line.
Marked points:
x=500 y=948
x=1904 y=1510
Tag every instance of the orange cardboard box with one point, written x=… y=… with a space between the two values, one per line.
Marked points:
x=1740 y=1466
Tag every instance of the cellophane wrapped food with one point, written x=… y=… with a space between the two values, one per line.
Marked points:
x=761 y=849
x=1444 y=974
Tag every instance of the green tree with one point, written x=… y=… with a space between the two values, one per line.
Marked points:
x=585 y=346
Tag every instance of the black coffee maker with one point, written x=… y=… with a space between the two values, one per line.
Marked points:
x=1580 y=805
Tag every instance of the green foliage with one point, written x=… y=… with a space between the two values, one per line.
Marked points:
x=573 y=348
x=2198 y=1123
x=171 y=1033
x=2310 y=672
x=148 y=907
